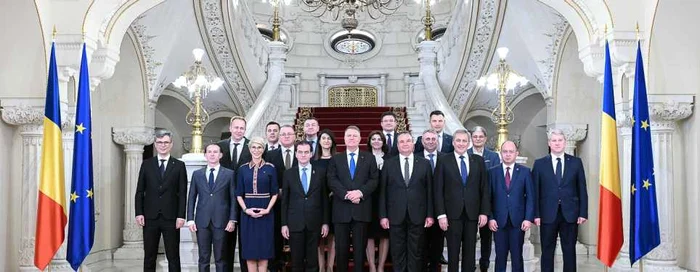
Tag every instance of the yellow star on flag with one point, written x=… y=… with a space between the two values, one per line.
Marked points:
x=645 y=124
x=80 y=128
x=73 y=196
x=633 y=189
x=647 y=184
x=89 y=193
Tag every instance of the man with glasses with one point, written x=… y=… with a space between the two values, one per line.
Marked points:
x=160 y=200
x=491 y=160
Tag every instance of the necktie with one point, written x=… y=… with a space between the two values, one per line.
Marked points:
x=558 y=171
x=406 y=173
x=432 y=161
x=234 y=155
x=304 y=180
x=508 y=178
x=463 y=167
x=352 y=165
x=388 y=140
x=313 y=145
x=161 y=168
x=288 y=159
x=211 y=179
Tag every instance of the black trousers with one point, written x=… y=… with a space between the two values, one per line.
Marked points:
x=152 y=231
x=304 y=250
x=342 y=244
x=406 y=242
x=486 y=238
x=277 y=264
x=509 y=238
x=461 y=235
x=230 y=250
x=568 y=233
x=434 y=246
x=208 y=237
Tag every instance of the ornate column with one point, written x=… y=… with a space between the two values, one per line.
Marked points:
x=133 y=139
x=623 y=114
x=665 y=112
x=28 y=116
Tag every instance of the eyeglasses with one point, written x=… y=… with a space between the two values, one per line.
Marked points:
x=162 y=143
x=286 y=134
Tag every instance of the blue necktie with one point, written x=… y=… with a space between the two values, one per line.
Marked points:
x=463 y=167
x=211 y=179
x=558 y=171
x=161 y=168
x=352 y=165
x=432 y=161
x=304 y=180
x=388 y=140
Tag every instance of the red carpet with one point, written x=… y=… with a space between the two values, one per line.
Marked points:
x=337 y=119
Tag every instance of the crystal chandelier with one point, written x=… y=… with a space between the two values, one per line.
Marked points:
x=198 y=83
x=349 y=8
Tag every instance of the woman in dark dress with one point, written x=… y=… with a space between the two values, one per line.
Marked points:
x=326 y=144
x=256 y=192
x=376 y=143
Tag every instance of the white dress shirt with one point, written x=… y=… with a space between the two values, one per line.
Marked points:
x=402 y=162
x=347 y=154
x=554 y=163
x=216 y=172
x=459 y=161
x=308 y=173
x=512 y=166
x=284 y=154
x=165 y=163
x=439 y=140
x=475 y=152
x=239 y=149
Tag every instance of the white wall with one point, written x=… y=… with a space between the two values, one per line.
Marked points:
x=674 y=68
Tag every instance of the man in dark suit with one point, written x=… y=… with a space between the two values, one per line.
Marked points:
x=406 y=204
x=235 y=153
x=561 y=203
x=462 y=200
x=212 y=189
x=311 y=128
x=388 y=123
x=161 y=193
x=491 y=160
x=353 y=178
x=305 y=210
x=272 y=135
x=437 y=123
x=435 y=237
x=513 y=207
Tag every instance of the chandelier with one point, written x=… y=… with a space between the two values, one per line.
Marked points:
x=198 y=83
x=502 y=80
x=349 y=8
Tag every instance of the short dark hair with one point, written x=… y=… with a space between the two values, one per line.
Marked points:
x=273 y=123
x=388 y=113
x=385 y=147
x=300 y=143
x=311 y=118
x=210 y=144
x=437 y=112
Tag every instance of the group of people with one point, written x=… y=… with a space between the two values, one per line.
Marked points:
x=397 y=195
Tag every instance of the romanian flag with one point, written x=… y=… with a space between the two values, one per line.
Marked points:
x=644 y=214
x=51 y=211
x=610 y=236
x=81 y=225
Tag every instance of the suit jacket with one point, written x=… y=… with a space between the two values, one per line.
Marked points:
x=396 y=198
x=437 y=156
x=446 y=144
x=305 y=210
x=275 y=157
x=491 y=159
x=244 y=157
x=161 y=195
x=451 y=197
x=339 y=181
x=571 y=194
x=393 y=149
x=516 y=202
x=216 y=206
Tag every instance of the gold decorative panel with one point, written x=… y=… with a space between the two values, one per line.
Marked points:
x=352 y=96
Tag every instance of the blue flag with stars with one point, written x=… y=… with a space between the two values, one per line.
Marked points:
x=644 y=214
x=81 y=224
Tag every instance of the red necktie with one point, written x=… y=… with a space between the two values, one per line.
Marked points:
x=508 y=177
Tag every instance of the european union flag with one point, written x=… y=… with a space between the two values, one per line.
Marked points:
x=81 y=225
x=644 y=215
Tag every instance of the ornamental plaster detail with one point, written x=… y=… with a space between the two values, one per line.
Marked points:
x=547 y=66
x=149 y=62
x=485 y=26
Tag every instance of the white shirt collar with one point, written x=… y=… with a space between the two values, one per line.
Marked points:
x=403 y=158
x=216 y=168
x=166 y=158
x=426 y=153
